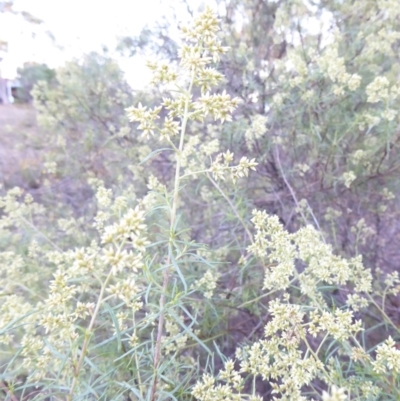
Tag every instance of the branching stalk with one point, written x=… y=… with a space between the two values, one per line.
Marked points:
x=157 y=351
x=87 y=338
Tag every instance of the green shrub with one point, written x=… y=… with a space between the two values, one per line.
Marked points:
x=29 y=75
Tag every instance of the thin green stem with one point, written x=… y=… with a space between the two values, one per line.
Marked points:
x=157 y=350
x=8 y=391
x=136 y=356
x=232 y=207
x=261 y=296
x=195 y=173
x=321 y=344
x=87 y=338
x=208 y=170
x=26 y=221
x=383 y=313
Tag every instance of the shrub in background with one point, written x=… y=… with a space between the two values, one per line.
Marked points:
x=29 y=75
x=319 y=91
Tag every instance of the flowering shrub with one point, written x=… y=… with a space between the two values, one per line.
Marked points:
x=320 y=96
x=176 y=292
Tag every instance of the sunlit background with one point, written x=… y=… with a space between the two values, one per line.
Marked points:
x=72 y=28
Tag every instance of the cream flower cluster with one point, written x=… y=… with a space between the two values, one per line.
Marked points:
x=282 y=250
x=284 y=357
x=202 y=48
x=256 y=130
x=221 y=166
x=117 y=258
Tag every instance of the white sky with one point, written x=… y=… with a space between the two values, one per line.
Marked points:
x=79 y=26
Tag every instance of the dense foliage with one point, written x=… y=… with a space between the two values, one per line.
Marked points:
x=230 y=236
x=29 y=75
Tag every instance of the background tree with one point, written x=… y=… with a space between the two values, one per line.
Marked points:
x=30 y=74
x=307 y=72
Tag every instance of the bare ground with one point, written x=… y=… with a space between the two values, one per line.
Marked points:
x=19 y=157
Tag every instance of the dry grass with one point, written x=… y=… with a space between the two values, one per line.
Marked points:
x=16 y=116
x=23 y=151
x=19 y=153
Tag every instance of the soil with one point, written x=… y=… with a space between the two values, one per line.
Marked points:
x=19 y=156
